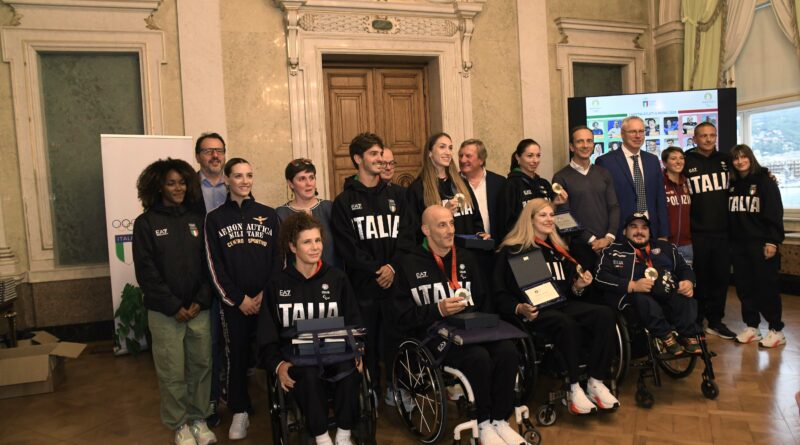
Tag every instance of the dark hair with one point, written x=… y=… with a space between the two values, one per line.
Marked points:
x=205 y=136
x=291 y=228
x=668 y=151
x=745 y=151
x=704 y=124
x=299 y=165
x=152 y=179
x=433 y=138
x=521 y=147
x=574 y=130
x=362 y=143
x=231 y=162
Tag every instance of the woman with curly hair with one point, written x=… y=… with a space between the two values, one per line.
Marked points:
x=168 y=256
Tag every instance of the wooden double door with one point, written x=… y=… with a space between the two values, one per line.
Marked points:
x=390 y=101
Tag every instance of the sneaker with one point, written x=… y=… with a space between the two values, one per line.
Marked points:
x=578 y=402
x=389 y=399
x=720 y=330
x=454 y=392
x=405 y=397
x=691 y=345
x=749 y=335
x=239 y=425
x=487 y=435
x=343 y=437
x=323 y=439
x=508 y=434
x=183 y=436
x=600 y=395
x=773 y=339
x=671 y=345
x=213 y=419
x=202 y=434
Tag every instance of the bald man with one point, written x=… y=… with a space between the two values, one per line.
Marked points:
x=438 y=280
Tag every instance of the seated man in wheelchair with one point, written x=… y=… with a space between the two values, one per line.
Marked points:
x=653 y=277
x=571 y=324
x=437 y=280
x=306 y=288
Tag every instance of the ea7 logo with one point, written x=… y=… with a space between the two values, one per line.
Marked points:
x=423 y=274
x=161 y=232
x=356 y=206
x=285 y=292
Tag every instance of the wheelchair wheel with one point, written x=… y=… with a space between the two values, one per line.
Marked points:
x=528 y=372
x=710 y=389
x=368 y=414
x=278 y=413
x=622 y=359
x=678 y=368
x=419 y=391
x=532 y=437
x=546 y=415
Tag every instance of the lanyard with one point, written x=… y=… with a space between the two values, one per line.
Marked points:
x=558 y=248
x=642 y=257
x=453 y=281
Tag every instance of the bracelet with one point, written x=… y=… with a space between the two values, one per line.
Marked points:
x=577 y=291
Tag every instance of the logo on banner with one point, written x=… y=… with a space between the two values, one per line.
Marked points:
x=123 y=246
x=645 y=103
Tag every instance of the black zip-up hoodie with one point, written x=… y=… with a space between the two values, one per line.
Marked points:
x=516 y=192
x=707 y=179
x=168 y=256
x=290 y=296
x=421 y=285
x=467 y=222
x=241 y=248
x=755 y=209
x=366 y=231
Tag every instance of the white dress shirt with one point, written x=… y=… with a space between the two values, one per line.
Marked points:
x=480 y=194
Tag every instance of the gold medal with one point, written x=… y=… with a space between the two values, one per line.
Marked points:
x=651 y=273
x=579 y=269
x=460 y=199
x=557 y=188
x=463 y=293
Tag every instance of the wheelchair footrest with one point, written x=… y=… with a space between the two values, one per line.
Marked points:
x=554 y=396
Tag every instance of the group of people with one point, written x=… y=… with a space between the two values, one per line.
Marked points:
x=222 y=272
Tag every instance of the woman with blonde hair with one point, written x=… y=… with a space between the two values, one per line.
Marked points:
x=573 y=324
x=439 y=183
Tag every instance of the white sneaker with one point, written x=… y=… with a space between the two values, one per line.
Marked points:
x=749 y=335
x=183 y=436
x=202 y=434
x=508 y=434
x=773 y=339
x=578 y=403
x=487 y=435
x=239 y=425
x=323 y=439
x=389 y=399
x=600 y=395
x=343 y=437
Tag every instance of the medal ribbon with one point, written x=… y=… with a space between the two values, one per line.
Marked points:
x=644 y=257
x=453 y=280
x=557 y=248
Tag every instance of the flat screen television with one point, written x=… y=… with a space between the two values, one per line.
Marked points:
x=669 y=117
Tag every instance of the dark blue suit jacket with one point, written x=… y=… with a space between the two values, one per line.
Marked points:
x=494 y=183
x=616 y=163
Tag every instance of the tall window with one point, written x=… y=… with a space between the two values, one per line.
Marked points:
x=84 y=94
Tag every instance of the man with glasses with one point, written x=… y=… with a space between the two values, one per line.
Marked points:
x=388 y=165
x=209 y=150
x=638 y=180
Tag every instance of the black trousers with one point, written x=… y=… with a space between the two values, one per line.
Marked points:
x=490 y=369
x=239 y=331
x=712 y=266
x=576 y=324
x=310 y=394
x=662 y=315
x=382 y=339
x=757 y=285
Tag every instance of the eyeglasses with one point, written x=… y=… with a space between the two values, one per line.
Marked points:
x=208 y=151
x=391 y=164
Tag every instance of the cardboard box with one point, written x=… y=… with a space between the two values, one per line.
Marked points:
x=35 y=367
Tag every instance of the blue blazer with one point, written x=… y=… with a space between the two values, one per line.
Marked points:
x=494 y=183
x=616 y=163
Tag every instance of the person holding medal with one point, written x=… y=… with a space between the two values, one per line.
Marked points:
x=572 y=325
x=653 y=277
x=437 y=280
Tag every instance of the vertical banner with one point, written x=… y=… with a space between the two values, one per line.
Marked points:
x=124 y=158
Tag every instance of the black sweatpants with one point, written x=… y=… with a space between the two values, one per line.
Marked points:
x=311 y=396
x=576 y=324
x=662 y=315
x=239 y=331
x=382 y=339
x=490 y=369
x=757 y=285
x=712 y=266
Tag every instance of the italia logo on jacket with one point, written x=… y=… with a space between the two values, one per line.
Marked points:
x=290 y=312
x=436 y=292
x=376 y=226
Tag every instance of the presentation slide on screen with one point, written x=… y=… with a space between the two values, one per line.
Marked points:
x=669 y=118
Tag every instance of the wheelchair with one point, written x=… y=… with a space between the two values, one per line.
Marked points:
x=642 y=351
x=425 y=390
x=286 y=418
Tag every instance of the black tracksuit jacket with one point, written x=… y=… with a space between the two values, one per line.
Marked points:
x=241 y=247
x=755 y=209
x=467 y=222
x=168 y=256
x=516 y=192
x=707 y=179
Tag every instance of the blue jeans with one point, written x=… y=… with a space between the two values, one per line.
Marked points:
x=687 y=253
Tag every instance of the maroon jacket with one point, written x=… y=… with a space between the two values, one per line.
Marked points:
x=678 y=205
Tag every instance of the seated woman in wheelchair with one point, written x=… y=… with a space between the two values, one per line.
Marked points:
x=437 y=280
x=653 y=277
x=307 y=288
x=571 y=324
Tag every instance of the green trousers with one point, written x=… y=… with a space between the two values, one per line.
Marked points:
x=182 y=355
